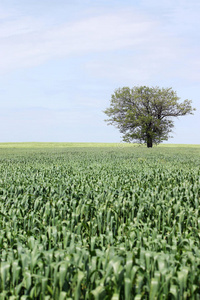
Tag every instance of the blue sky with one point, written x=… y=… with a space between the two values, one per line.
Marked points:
x=61 y=60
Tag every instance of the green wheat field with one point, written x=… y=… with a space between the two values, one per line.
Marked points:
x=99 y=221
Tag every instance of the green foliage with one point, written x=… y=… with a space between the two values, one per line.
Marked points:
x=144 y=114
x=100 y=223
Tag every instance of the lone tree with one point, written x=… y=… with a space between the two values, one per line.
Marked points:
x=144 y=114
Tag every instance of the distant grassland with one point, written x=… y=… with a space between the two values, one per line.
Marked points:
x=68 y=144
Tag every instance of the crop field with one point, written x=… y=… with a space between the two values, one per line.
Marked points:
x=99 y=222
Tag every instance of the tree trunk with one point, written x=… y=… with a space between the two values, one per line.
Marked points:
x=149 y=142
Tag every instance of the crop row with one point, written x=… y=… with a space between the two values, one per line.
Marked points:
x=100 y=224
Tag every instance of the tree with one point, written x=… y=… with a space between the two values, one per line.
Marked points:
x=145 y=114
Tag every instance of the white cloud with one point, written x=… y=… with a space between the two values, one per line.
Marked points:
x=156 y=46
x=167 y=49
x=27 y=42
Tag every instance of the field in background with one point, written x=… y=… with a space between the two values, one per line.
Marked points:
x=99 y=221
x=63 y=145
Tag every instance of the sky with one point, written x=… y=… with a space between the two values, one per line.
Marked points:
x=61 y=60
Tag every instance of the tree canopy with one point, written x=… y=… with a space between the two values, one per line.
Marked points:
x=144 y=114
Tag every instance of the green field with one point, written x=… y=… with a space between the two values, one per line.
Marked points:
x=87 y=145
x=99 y=221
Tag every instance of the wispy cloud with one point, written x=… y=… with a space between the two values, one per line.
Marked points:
x=155 y=46
x=27 y=42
